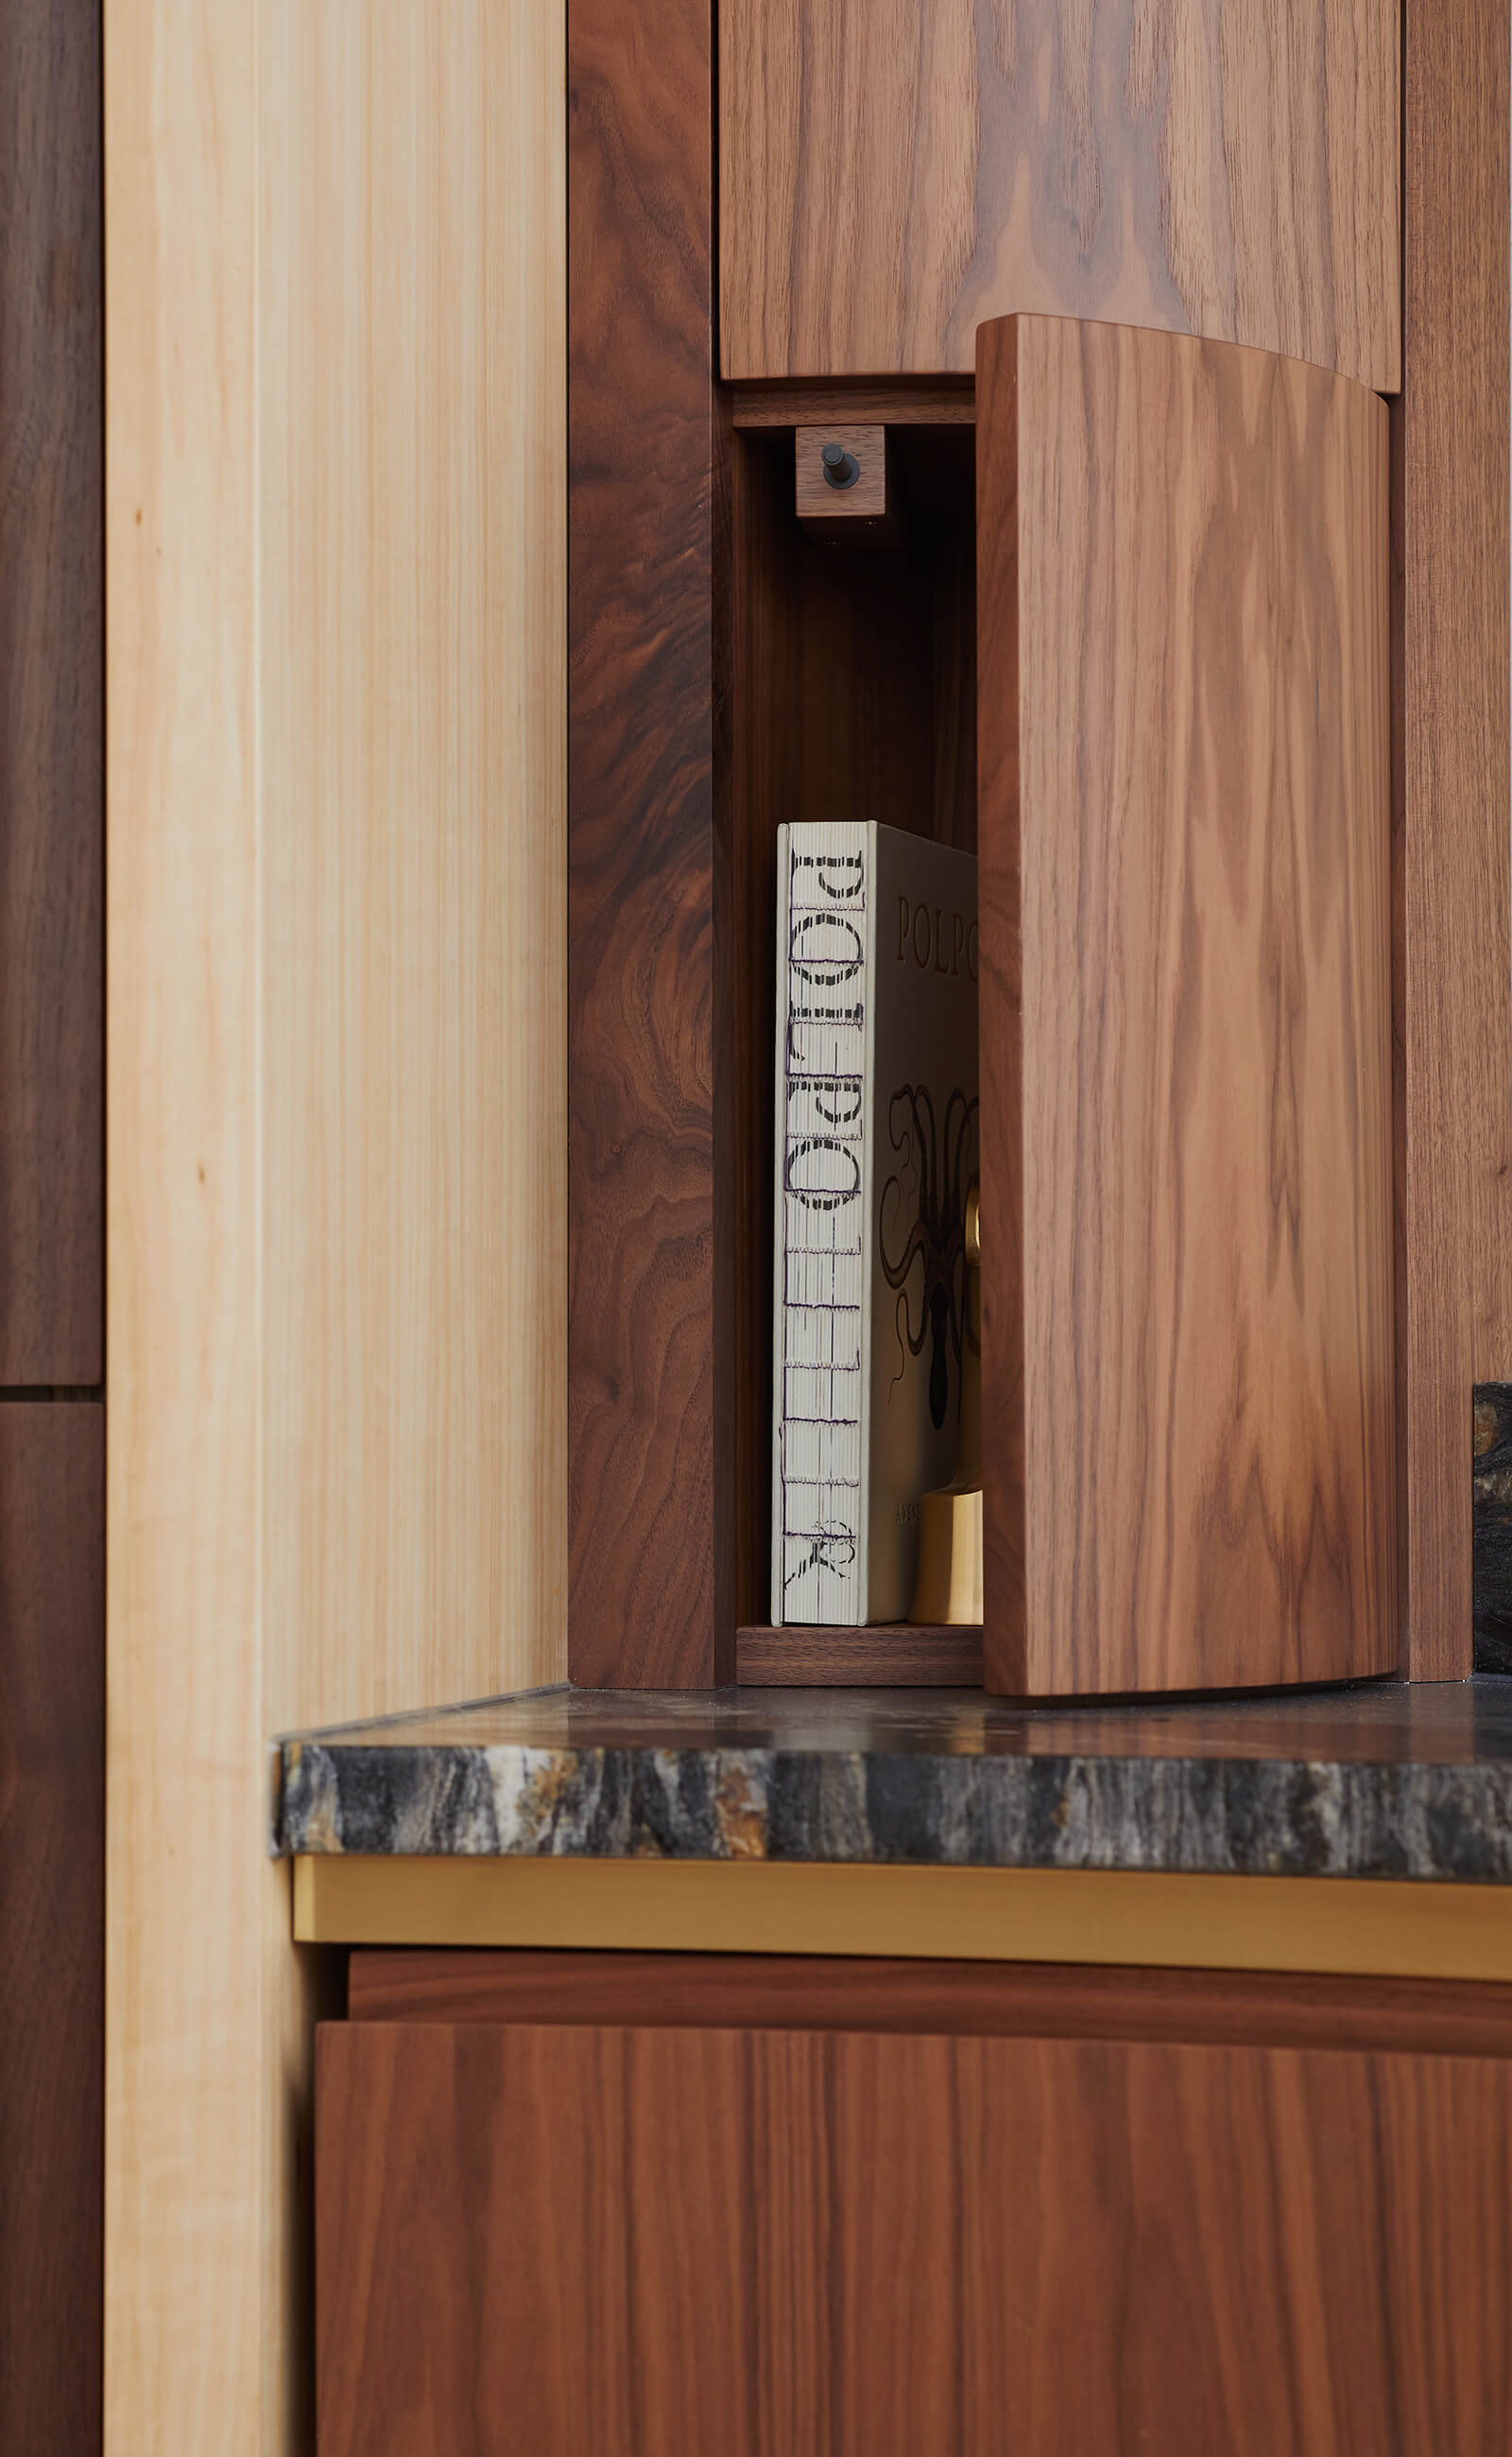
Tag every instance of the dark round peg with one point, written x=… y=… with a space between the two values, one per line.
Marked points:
x=840 y=468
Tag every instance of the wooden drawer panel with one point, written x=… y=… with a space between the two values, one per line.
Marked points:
x=773 y=2241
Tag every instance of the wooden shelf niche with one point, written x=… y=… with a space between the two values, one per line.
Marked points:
x=853 y=694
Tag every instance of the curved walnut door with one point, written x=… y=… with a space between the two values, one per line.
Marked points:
x=1184 y=836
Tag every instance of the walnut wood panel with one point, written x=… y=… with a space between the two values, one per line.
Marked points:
x=1185 y=896
x=768 y=2240
x=906 y=1655
x=52 y=696
x=52 y=1923
x=1040 y=2000
x=642 y=518
x=1454 y=785
x=909 y=400
x=894 y=174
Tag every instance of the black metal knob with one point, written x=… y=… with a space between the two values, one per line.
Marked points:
x=840 y=468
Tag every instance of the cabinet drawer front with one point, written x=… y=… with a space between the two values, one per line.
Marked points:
x=779 y=2241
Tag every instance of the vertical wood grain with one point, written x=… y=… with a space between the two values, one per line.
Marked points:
x=336 y=548
x=770 y=2240
x=52 y=1923
x=646 y=448
x=188 y=2114
x=52 y=696
x=1455 y=874
x=896 y=173
x=1187 y=1076
x=411 y=609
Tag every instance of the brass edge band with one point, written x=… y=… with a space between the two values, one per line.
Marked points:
x=1322 y=1924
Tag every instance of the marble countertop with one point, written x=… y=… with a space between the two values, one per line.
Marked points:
x=1379 y=1780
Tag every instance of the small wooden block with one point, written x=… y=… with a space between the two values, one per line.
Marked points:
x=902 y=400
x=857 y=510
x=902 y=1655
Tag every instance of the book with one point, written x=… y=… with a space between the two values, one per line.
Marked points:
x=875 y=1149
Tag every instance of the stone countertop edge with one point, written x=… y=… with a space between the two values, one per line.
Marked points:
x=1189 y=1815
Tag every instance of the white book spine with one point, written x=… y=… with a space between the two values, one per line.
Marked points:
x=821 y=1348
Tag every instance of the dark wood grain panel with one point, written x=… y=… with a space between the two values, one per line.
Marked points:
x=916 y=401
x=1185 y=1055
x=52 y=1923
x=1454 y=785
x=1035 y=2000
x=52 y=695
x=903 y=1655
x=768 y=2241
x=894 y=174
x=643 y=442
x=1491 y=1445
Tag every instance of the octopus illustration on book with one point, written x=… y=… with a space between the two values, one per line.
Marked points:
x=832 y=1548
x=923 y=1204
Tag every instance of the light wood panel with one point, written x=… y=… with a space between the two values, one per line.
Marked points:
x=1084 y=1916
x=1453 y=789
x=895 y=172
x=413 y=613
x=335 y=501
x=772 y=2241
x=1184 y=835
x=186 y=2114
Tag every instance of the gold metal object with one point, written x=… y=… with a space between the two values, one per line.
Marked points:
x=1389 y=1928
x=947 y=1581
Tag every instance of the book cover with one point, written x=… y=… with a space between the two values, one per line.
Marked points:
x=876 y=1147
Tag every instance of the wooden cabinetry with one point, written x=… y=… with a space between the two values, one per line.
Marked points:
x=896 y=173
x=1184 y=832
x=601 y=2202
x=1132 y=647
x=1247 y=163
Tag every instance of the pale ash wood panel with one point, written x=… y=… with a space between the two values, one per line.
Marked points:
x=896 y=173
x=414 y=873
x=769 y=2242
x=1454 y=786
x=335 y=530
x=1183 y=839
x=186 y=2042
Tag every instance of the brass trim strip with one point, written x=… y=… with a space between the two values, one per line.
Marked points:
x=1387 y=1929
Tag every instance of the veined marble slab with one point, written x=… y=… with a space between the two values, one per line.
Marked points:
x=1381 y=1780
